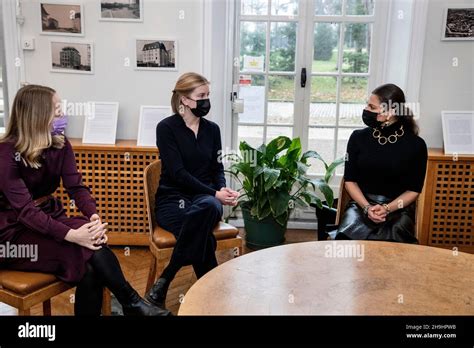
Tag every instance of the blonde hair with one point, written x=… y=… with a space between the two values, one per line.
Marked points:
x=29 y=125
x=185 y=85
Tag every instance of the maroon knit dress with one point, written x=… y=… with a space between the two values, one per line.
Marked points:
x=21 y=222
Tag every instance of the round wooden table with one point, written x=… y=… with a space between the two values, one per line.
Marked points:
x=338 y=278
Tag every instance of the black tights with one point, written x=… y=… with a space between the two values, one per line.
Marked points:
x=103 y=269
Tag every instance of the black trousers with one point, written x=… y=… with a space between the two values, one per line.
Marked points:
x=192 y=220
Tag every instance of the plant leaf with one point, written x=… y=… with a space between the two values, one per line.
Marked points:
x=311 y=198
x=332 y=167
x=270 y=177
x=278 y=202
x=276 y=146
x=325 y=190
x=313 y=154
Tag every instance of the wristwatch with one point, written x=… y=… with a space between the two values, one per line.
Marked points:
x=387 y=208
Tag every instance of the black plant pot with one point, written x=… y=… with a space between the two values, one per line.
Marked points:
x=326 y=219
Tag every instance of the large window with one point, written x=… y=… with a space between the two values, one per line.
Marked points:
x=332 y=40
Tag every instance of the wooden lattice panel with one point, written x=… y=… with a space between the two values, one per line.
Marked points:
x=448 y=214
x=115 y=176
x=453 y=206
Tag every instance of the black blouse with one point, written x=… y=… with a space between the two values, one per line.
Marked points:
x=190 y=164
x=389 y=169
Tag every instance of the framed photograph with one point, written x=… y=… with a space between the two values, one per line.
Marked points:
x=156 y=54
x=100 y=126
x=59 y=18
x=458 y=23
x=150 y=116
x=72 y=57
x=458 y=132
x=121 y=10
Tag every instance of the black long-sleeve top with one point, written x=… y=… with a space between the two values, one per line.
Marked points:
x=190 y=164
x=389 y=169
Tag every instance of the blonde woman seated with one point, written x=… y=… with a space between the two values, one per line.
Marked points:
x=34 y=156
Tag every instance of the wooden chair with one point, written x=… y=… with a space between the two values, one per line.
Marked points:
x=162 y=242
x=342 y=201
x=23 y=290
x=344 y=198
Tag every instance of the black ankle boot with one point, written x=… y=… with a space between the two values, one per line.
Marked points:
x=134 y=305
x=157 y=294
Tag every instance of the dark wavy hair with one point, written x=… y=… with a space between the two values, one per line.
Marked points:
x=392 y=96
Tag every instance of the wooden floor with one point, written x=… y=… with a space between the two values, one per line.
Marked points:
x=135 y=264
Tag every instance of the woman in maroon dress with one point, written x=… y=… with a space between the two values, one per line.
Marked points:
x=34 y=156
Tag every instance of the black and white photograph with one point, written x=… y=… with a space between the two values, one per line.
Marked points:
x=156 y=54
x=458 y=24
x=61 y=19
x=121 y=10
x=72 y=57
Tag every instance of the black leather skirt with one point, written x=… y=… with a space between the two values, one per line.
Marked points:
x=399 y=225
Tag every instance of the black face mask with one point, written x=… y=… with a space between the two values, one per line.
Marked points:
x=370 y=119
x=202 y=107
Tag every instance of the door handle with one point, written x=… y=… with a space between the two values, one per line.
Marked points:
x=303 y=77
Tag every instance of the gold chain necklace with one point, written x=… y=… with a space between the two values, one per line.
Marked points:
x=392 y=139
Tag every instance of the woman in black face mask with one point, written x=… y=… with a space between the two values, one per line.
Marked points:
x=192 y=187
x=384 y=171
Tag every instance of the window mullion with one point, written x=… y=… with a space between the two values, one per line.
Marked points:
x=267 y=75
x=339 y=78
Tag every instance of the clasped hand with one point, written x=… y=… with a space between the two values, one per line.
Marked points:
x=90 y=235
x=227 y=196
x=377 y=213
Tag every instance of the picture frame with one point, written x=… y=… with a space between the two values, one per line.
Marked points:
x=61 y=18
x=101 y=126
x=76 y=57
x=150 y=116
x=161 y=54
x=120 y=11
x=458 y=132
x=458 y=23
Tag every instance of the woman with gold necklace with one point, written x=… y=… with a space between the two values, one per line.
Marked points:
x=384 y=171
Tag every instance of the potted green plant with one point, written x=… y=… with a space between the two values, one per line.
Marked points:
x=273 y=182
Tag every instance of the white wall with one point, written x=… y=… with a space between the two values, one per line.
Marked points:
x=113 y=43
x=444 y=87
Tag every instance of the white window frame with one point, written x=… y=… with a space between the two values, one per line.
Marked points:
x=305 y=37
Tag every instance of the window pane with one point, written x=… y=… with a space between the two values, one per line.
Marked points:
x=253 y=94
x=322 y=110
x=254 y=7
x=356 y=47
x=320 y=140
x=275 y=132
x=342 y=138
x=252 y=40
x=326 y=43
x=353 y=100
x=328 y=7
x=251 y=134
x=284 y=7
x=282 y=46
x=281 y=96
x=359 y=7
